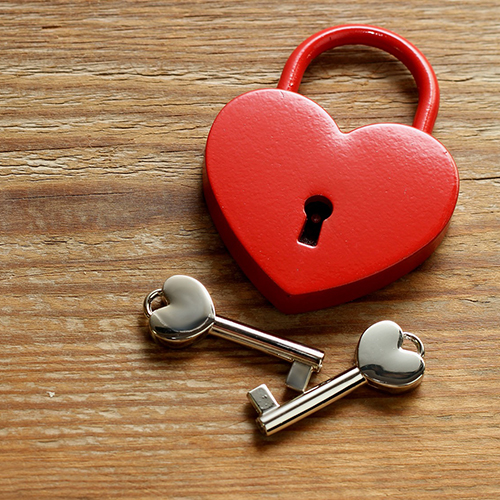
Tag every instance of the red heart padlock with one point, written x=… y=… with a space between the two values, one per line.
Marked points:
x=314 y=216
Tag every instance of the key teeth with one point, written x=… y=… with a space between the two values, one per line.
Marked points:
x=262 y=399
x=299 y=376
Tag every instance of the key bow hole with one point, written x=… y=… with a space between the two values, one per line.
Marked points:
x=317 y=210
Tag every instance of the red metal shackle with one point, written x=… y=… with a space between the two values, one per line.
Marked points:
x=408 y=54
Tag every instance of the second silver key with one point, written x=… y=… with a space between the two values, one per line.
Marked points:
x=380 y=362
x=190 y=315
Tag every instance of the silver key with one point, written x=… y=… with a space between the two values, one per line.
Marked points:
x=380 y=362
x=190 y=315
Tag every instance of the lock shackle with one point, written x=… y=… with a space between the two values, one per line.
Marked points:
x=407 y=53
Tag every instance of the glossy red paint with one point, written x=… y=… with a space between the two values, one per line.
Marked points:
x=393 y=187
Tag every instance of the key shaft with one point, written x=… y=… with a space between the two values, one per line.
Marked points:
x=265 y=342
x=276 y=418
x=305 y=360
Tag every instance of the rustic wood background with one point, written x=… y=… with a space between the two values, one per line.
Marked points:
x=106 y=106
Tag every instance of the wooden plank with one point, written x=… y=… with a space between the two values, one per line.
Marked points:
x=105 y=111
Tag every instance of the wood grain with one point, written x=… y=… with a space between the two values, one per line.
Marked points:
x=105 y=111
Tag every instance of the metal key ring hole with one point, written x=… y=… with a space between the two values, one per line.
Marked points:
x=150 y=298
x=416 y=342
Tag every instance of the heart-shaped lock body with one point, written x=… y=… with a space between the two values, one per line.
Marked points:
x=384 y=363
x=387 y=190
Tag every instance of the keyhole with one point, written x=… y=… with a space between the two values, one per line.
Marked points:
x=317 y=209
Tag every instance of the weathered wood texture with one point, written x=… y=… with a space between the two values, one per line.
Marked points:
x=105 y=111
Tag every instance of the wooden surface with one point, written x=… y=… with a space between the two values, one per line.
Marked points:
x=105 y=112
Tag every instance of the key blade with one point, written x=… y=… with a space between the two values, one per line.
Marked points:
x=262 y=399
x=299 y=376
